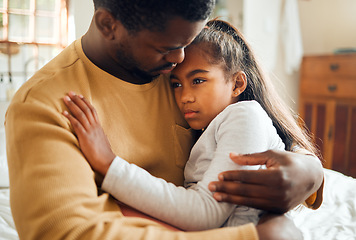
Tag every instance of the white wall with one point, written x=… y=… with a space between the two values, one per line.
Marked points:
x=261 y=25
x=326 y=25
x=82 y=12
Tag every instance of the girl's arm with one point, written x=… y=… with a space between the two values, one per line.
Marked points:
x=188 y=209
x=133 y=185
x=128 y=211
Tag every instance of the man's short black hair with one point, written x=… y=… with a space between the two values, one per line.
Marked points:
x=153 y=15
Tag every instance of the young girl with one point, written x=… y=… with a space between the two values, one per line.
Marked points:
x=221 y=91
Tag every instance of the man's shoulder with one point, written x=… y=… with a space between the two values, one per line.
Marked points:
x=52 y=78
x=67 y=57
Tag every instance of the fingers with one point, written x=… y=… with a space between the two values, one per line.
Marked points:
x=76 y=111
x=264 y=177
x=81 y=109
x=84 y=106
x=256 y=196
x=247 y=159
x=243 y=190
x=259 y=203
x=77 y=126
x=269 y=189
x=253 y=159
x=92 y=109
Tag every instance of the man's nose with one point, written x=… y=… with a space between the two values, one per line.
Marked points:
x=176 y=56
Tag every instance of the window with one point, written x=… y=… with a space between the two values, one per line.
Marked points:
x=31 y=33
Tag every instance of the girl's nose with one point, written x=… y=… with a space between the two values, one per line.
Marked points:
x=187 y=96
x=175 y=56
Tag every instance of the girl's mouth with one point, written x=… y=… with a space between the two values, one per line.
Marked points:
x=190 y=114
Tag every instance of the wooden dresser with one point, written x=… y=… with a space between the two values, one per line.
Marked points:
x=327 y=103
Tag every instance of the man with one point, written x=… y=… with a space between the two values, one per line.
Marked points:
x=118 y=64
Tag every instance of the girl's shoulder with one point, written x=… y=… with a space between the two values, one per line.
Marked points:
x=241 y=108
x=244 y=112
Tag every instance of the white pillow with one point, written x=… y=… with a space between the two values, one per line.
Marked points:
x=4 y=171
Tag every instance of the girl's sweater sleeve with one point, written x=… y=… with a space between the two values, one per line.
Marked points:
x=193 y=208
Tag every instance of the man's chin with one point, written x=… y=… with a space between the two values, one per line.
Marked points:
x=148 y=76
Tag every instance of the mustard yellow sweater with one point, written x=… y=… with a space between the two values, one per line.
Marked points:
x=53 y=189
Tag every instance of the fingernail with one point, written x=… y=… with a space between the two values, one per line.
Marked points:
x=218 y=197
x=67 y=98
x=81 y=96
x=72 y=93
x=221 y=177
x=212 y=187
x=65 y=112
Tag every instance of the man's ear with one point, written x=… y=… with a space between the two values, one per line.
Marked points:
x=106 y=23
x=240 y=85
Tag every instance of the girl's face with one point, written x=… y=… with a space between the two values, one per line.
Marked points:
x=200 y=88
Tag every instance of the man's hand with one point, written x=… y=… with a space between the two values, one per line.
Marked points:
x=277 y=227
x=289 y=179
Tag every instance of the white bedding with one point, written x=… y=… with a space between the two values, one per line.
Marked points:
x=336 y=217
x=334 y=220
x=7 y=226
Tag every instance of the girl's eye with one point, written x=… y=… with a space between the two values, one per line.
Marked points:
x=198 y=81
x=176 y=85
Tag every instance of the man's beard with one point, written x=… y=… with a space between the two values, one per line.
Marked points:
x=133 y=67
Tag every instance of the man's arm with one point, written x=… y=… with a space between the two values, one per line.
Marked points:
x=290 y=178
x=53 y=192
x=270 y=226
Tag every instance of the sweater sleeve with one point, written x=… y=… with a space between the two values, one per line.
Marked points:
x=315 y=200
x=193 y=208
x=52 y=187
x=190 y=209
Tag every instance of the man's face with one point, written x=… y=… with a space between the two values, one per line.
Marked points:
x=153 y=53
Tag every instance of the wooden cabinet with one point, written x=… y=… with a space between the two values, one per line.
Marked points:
x=327 y=103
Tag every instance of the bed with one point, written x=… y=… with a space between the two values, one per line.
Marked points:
x=334 y=220
x=336 y=217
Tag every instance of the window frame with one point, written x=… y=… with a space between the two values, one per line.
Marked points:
x=9 y=73
x=32 y=12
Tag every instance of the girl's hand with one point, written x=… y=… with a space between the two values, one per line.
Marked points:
x=92 y=139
